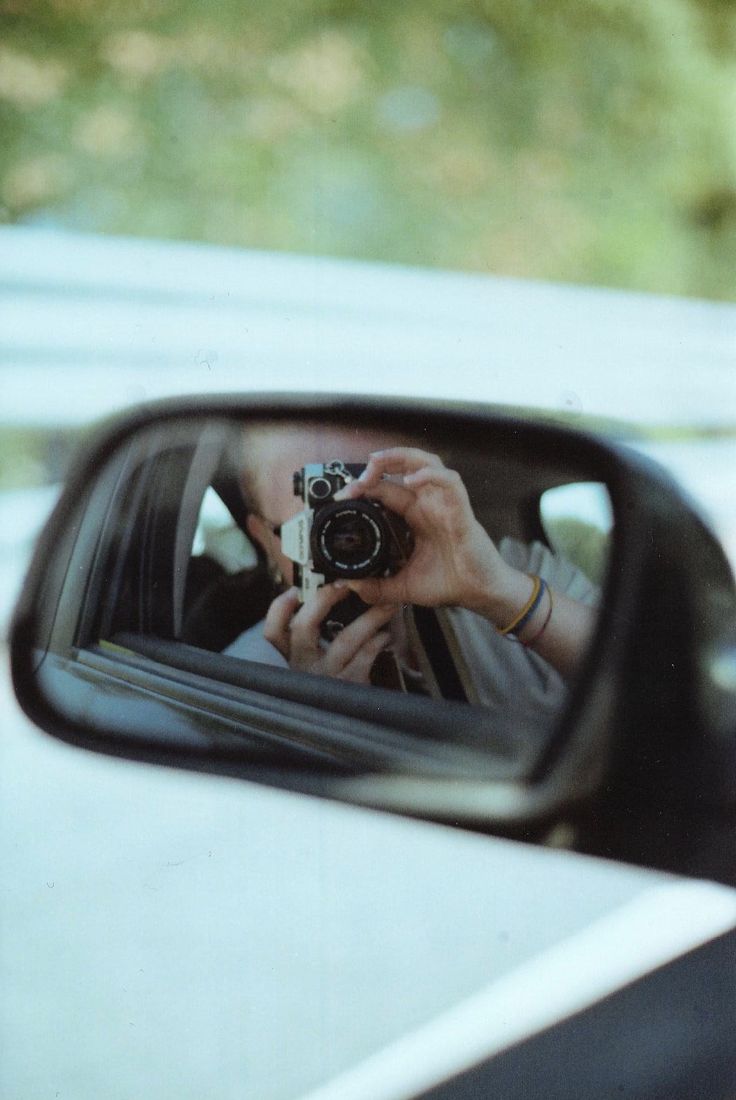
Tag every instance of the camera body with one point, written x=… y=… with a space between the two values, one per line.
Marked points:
x=330 y=540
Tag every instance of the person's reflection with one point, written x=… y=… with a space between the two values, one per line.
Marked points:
x=514 y=618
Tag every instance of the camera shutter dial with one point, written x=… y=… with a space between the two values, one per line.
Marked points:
x=320 y=489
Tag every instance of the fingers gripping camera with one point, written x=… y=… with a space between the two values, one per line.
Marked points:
x=328 y=540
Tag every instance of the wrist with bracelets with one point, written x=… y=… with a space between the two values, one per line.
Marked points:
x=524 y=617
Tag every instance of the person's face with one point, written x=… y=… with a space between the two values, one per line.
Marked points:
x=275 y=454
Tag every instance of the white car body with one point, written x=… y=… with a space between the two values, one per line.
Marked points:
x=169 y=934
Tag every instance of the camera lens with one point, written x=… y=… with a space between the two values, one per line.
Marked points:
x=349 y=541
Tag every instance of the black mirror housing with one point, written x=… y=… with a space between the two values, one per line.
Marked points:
x=639 y=764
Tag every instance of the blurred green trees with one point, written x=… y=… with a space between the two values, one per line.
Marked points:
x=583 y=140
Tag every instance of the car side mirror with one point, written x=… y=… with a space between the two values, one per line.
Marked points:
x=159 y=620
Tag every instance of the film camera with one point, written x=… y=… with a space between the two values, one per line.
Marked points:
x=329 y=540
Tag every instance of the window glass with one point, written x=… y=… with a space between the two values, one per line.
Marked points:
x=577 y=521
x=218 y=536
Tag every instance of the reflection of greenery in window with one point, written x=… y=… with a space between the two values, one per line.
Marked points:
x=584 y=544
x=588 y=140
x=577 y=520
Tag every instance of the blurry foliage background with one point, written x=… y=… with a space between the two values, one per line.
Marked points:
x=582 y=140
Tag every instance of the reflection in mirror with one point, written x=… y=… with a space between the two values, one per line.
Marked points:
x=577 y=520
x=414 y=564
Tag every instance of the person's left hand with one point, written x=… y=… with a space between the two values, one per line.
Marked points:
x=454 y=562
x=294 y=629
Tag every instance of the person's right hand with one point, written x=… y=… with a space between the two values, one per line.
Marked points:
x=454 y=562
x=294 y=628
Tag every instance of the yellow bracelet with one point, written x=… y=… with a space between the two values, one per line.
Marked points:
x=526 y=608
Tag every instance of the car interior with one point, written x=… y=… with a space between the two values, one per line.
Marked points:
x=177 y=562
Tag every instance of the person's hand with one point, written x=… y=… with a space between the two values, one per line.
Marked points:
x=294 y=629
x=454 y=562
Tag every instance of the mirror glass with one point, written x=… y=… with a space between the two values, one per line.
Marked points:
x=215 y=557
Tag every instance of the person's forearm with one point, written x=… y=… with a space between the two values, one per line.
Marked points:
x=559 y=629
x=566 y=636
